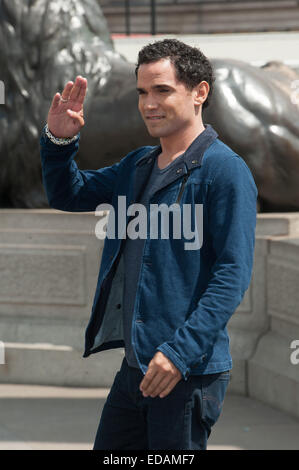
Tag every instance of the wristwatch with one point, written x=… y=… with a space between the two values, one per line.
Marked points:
x=59 y=140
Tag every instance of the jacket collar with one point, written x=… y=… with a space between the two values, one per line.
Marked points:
x=193 y=155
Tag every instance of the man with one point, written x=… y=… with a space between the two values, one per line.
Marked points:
x=166 y=302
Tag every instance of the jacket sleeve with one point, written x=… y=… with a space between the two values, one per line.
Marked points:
x=67 y=187
x=232 y=222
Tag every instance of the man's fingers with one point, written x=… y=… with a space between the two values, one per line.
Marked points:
x=82 y=93
x=147 y=379
x=168 y=388
x=80 y=82
x=75 y=92
x=154 y=384
x=55 y=101
x=67 y=90
x=161 y=376
x=157 y=387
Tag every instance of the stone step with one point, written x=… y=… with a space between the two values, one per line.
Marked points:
x=272 y=377
x=61 y=365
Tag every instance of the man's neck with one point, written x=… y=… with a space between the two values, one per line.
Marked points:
x=174 y=147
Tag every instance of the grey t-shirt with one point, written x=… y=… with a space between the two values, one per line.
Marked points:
x=132 y=252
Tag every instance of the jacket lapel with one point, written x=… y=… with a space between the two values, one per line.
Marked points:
x=142 y=173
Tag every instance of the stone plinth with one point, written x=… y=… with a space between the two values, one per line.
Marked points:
x=49 y=262
x=272 y=377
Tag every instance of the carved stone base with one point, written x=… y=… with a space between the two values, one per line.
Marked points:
x=49 y=263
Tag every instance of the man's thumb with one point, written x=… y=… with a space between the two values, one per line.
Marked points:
x=71 y=113
x=77 y=116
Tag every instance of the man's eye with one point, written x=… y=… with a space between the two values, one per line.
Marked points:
x=164 y=90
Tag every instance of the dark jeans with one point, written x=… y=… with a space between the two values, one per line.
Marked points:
x=181 y=420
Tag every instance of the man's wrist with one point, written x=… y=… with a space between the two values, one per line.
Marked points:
x=59 y=140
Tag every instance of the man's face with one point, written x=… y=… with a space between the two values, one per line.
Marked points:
x=165 y=104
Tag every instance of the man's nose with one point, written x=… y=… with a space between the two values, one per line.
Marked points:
x=150 y=103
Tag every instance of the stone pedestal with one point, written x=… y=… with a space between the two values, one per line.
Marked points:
x=252 y=320
x=272 y=377
x=49 y=262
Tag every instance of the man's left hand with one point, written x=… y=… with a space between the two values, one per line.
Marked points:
x=160 y=378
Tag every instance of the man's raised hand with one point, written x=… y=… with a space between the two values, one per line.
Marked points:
x=65 y=118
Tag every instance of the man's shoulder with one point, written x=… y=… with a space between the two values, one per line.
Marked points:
x=218 y=151
x=222 y=165
x=219 y=156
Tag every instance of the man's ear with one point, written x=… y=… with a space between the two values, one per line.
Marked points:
x=201 y=92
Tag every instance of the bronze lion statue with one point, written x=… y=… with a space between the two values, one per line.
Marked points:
x=45 y=43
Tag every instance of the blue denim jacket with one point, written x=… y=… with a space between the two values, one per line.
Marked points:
x=184 y=297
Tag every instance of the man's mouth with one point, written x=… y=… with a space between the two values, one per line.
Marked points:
x=154 y=118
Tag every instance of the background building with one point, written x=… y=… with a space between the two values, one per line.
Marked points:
x=200 y=16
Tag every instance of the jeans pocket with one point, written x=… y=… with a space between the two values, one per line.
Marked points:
x=213 y=393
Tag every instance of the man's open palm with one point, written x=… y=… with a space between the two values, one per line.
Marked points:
x=65 y=118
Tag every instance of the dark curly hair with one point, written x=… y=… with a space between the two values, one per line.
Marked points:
x=191 y=65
